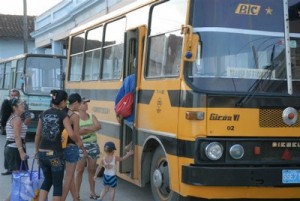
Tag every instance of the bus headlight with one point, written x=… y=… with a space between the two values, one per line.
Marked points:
x=214 y=151
x=236 y=151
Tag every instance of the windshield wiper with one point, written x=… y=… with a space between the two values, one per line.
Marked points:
x=254 y=87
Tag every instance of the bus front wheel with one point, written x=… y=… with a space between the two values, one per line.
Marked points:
x=160 y=178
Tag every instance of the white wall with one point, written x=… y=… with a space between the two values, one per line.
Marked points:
x=13 y=47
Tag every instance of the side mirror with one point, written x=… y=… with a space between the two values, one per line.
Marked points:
x=191 y=43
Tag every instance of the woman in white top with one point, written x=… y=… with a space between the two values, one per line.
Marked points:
x=15 y=149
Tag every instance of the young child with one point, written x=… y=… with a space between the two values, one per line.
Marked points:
x=109 y=162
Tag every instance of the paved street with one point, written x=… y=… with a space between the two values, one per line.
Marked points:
x=125 y=191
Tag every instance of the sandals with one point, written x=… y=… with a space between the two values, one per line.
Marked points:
x=94 y=197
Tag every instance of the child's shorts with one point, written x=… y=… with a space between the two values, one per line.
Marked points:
x=110 y=181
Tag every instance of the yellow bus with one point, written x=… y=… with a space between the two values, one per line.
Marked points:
x=217 y=94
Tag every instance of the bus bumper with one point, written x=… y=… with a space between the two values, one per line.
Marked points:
x=235 y=176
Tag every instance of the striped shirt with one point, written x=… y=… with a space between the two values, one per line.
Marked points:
x=10 y=131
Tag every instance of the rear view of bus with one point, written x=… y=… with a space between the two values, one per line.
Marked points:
x=34 y=75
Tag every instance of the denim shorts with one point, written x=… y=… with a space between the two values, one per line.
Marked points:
x=71 y=153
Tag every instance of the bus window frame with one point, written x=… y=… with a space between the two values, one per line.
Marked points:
x=104 y=47
x=162 y=75
x=20 y=74
x=92 y=50
x=70 y=66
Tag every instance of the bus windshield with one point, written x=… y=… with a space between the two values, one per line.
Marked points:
x=42 y=74
x=243 y=42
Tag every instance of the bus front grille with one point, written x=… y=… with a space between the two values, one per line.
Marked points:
x=272 y=118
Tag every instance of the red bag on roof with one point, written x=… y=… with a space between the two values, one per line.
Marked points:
x=124 y=106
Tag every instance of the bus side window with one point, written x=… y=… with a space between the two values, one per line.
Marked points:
x=155 y=56
x=173 y=55
x=165 y=39
x=76 y=57
x=93 y=54
x=113 y=49
x=165 y=55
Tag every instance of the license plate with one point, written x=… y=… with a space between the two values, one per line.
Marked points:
x=290 y=176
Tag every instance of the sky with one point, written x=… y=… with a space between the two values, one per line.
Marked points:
x=34 y=7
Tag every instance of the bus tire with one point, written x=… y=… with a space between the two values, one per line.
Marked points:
x=160 y=182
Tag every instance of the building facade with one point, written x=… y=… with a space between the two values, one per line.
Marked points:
x=53 y=26
x=11 y=35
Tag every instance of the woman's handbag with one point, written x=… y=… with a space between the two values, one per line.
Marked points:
x=124 y=106
x=26 y=184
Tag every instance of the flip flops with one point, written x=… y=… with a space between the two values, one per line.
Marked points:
x=94 y=197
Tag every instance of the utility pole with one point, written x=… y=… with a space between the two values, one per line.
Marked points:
x=25 y=26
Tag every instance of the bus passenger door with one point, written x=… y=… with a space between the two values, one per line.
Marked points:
x=134 y=44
